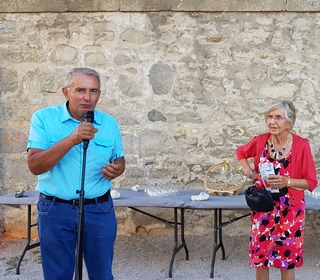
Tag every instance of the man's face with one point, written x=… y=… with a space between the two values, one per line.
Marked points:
x=83 y=95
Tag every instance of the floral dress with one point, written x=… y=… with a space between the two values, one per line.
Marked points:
x=276 y=238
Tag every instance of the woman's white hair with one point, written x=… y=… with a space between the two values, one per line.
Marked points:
x=289 y=110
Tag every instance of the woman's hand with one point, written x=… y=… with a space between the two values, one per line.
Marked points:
x=277 y=181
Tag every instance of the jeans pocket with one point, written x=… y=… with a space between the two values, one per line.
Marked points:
x=44 y=206
x=107 y=206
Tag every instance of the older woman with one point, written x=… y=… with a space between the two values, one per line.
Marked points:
x=277 y=237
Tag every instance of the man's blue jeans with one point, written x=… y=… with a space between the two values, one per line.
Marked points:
x=57 y=226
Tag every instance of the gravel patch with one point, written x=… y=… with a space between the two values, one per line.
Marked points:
x=147 y=258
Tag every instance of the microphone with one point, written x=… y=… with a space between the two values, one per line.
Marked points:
x=89 y=117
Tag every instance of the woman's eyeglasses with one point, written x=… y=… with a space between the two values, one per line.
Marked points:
x=276 y=118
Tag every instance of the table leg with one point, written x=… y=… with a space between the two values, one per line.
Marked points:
x=176 y=223
x=218 y=225
x=28 y=246
x=216 y=245
x=183 y=244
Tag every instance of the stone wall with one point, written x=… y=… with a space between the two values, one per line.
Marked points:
x=188 y=83
x=59 y=6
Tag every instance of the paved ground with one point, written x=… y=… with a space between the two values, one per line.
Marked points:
x=148 y=258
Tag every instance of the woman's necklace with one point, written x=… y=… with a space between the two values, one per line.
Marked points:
x=279 y=153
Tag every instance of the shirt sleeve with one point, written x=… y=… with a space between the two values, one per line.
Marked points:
x=247 y=150
x=37 y=135
x=118 y=148
x=307 y=166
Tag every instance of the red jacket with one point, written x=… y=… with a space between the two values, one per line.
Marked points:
x=302 y=165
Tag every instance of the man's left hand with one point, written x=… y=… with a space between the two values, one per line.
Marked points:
x=114 y=169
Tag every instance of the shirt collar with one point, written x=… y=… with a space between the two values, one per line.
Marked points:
x=65 y=115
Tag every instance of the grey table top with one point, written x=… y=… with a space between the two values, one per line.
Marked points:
x=140 y=198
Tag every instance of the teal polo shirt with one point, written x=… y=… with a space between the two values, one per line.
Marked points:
x=50 y=125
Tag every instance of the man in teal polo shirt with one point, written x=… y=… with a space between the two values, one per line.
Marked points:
x=55 y=154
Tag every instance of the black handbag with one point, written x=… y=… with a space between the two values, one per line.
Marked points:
x=259 y=200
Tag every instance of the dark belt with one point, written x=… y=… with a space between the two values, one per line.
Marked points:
x=103 y=198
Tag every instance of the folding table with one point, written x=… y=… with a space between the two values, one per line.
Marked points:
x=179 y=203
x=30 y=199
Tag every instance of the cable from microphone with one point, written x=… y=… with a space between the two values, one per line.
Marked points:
x=89 y=117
